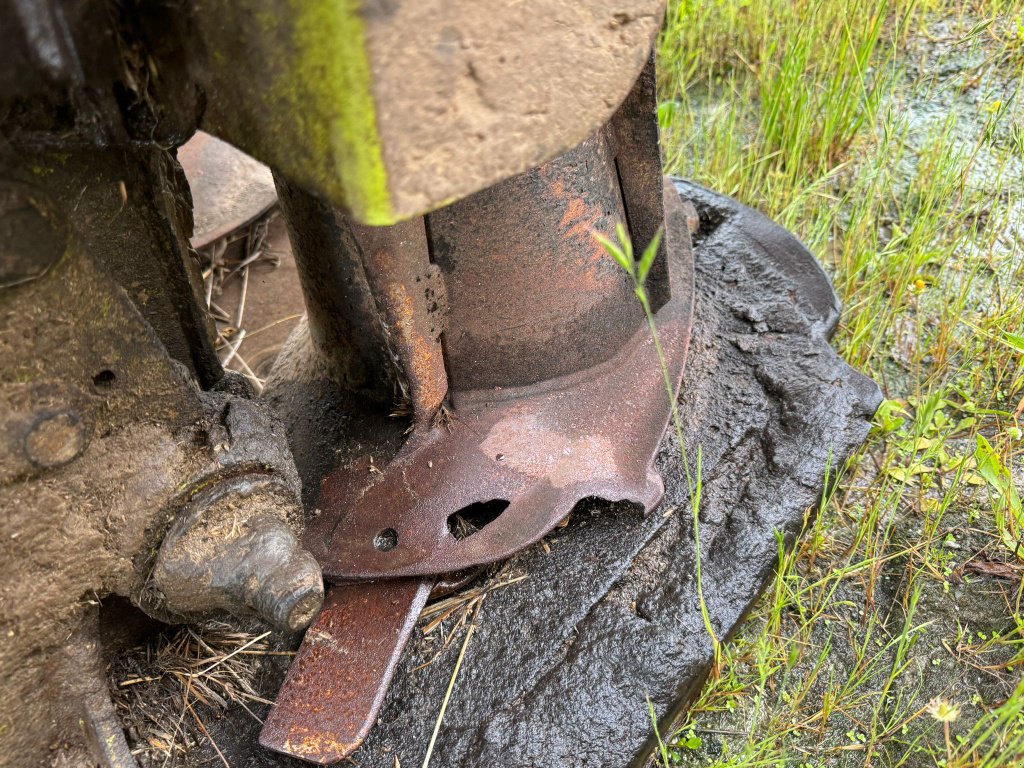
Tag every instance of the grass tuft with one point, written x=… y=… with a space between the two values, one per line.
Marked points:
x=889 y=137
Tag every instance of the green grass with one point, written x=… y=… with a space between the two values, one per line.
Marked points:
x=890 y=137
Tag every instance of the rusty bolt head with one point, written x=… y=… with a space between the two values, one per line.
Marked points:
x=32 y=238
x=299 y=612
x=55 y=439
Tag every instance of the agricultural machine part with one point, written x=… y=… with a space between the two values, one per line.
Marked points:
x=108 y=445
x=228 y=549
x=527 y=371
x=345 y=665
x=321 y=91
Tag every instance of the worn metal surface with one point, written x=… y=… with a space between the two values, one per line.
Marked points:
x=638 y=164
x=340 y=674
x=229 y=188
x=531 y=294
x=129 y=208
x=540 y=449
x=344 y=326
x=87 y=699
x=412 y=301
x=31 y=238
x=517 y=352
x=60 y=497
x=230 y=549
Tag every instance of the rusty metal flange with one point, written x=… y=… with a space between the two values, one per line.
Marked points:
x=539 y=449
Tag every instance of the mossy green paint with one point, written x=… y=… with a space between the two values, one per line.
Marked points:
x=332 y=67
x=291 y=83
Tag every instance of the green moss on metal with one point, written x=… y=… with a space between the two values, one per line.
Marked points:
x=291 y=83
x=332 y=68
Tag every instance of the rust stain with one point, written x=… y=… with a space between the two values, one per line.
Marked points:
x=410 y=296
x=579 y=220
x=420 y=352
x=574 y=211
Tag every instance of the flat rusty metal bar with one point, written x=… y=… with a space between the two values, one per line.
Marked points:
x=411 y=299
x=337 y=681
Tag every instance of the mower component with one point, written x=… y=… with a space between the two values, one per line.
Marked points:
x=338 y=679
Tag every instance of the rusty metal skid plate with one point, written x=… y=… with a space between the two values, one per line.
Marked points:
x=342 y=670
x=540 y=448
